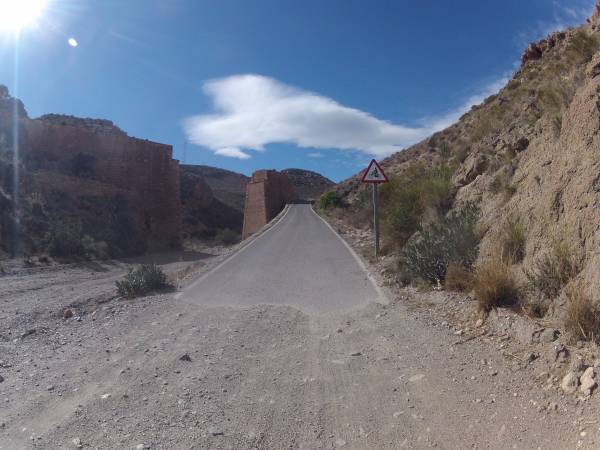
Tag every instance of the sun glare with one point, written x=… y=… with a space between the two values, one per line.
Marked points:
x=18 y=14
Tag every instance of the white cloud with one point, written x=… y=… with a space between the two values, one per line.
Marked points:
x=232 y=152
x=252 y=111
x=316 y=155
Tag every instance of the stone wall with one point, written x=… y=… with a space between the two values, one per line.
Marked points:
x=86 y=178
x=110 y=160
x=266 y=195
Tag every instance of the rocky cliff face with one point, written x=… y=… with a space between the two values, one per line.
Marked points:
x=228 y=187
x=204 y=213
x=86 y=180
x=530 y=152
x=309 y=185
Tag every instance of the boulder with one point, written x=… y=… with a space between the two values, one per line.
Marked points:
x=569 y=383
x=587 y=381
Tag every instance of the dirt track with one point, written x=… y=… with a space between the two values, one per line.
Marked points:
x=258 y=377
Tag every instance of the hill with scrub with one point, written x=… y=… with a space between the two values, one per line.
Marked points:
x=507 y=200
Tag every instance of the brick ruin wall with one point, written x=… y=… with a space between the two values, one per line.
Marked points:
x=267 y=193
x=141 y=170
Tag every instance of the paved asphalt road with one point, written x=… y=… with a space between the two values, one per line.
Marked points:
x=299 y=262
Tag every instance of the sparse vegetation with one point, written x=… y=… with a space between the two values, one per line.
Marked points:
x=582 y=47
x=141 y=280
x=452 y=240
x=227 y=237
x=559 y=79
x=331 y=199
x=554 y=270
x=582 y=319
x=494 y=285
x=513 y=239
x=502 y=184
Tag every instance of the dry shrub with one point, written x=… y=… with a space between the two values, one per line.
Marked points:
x=495 y=285
x=458 y=278
x=582 y=320
x=141 y=281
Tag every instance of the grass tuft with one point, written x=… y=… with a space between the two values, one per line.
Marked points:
x=514 y=237
x=582 y=320
x=495 y=286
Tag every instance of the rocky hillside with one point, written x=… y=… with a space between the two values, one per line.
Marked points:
x=309 y=185
x=227 y=186
x=204 y=210
x=528 y=158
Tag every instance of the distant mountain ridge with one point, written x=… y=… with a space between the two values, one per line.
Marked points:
x=309 y=185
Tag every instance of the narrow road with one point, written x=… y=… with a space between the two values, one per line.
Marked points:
x=299 y=262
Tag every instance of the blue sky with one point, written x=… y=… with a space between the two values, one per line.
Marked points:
x=324 y=85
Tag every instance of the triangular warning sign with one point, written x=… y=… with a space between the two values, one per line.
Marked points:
x=374 y=174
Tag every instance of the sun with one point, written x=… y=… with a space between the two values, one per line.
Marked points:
x=18 y=14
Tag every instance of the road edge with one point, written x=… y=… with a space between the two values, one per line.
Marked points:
x=379 y=289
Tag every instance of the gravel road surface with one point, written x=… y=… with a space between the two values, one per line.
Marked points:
x=314 y=369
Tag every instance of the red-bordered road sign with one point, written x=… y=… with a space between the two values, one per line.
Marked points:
x=374 y=174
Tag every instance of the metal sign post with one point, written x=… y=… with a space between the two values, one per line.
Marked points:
x=376 y=217
x=375 y=175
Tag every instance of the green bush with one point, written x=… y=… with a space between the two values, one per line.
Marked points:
x=452 y=240
x=407 y=199
x=141 y=280
x=227 y=237
x=331 y=199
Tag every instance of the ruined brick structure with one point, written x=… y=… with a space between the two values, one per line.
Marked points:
x=112 y=163
x=266 y=195
x=86 y=178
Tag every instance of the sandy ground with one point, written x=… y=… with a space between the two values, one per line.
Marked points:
x=258 y=377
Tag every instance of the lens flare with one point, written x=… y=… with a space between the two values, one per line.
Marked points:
x=18 y=14
x=73 y=42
